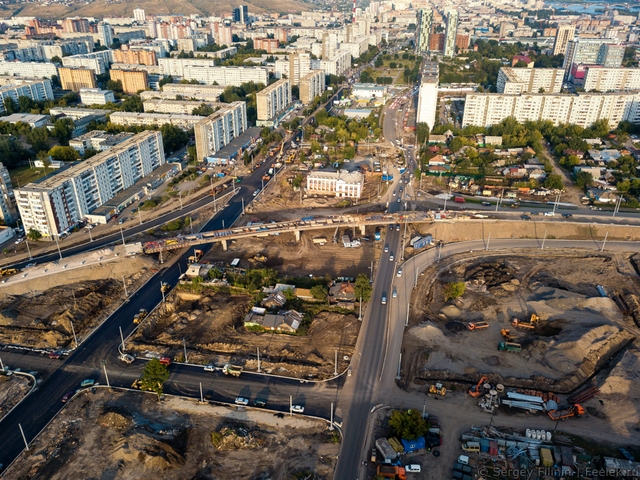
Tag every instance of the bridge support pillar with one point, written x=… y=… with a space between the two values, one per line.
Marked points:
x=297 y=234
x=225 y=245
x=362 y=230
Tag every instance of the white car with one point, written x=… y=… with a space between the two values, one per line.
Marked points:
x=413 y=468
x=549 y=214
x=386 y=248
x=395 y=293
x=297 y=409
x=19 y=241
x=391 y=258
x=209 y=368
x=399 y=274
x=256 y=193
x=242 y=401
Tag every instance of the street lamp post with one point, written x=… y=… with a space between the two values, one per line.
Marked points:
x=122 y=235
x=55 y=235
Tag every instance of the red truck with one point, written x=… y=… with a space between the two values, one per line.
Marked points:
x=166 y=361
x=391 y=471
x=458 y=199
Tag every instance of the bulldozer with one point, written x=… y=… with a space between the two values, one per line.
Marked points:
x=260 y=258
x=438 y=389
x=507 y=335
x=476 y=391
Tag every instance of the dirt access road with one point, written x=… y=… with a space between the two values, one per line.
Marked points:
x=571 y=192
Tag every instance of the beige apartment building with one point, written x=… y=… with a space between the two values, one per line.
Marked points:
x=132 y=80
x=76 y=78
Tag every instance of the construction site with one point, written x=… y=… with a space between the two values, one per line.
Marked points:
x=43 y=311
x=13 y=389
x=129 y=435
x=549 y=333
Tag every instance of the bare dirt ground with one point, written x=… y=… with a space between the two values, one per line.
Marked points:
x=12 y=390
x=38 y=312
x=302 y=258
x=131 y=435
x=212 y=326
x=578 y=333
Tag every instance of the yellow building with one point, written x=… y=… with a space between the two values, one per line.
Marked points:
x=77 y=78
x=132 y=80
x=135 y=57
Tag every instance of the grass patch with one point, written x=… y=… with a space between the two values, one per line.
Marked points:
x=20 y=176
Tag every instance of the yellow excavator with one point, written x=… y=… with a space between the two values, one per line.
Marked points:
x=438 y=389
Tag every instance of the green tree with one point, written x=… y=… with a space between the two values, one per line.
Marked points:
x=554 y=182
x=115 y=85
x=34 y=235
x=453 y=290
x=133 y=104
x=165 y=80
x=422 y=132
x=584 y=179
x=63 y=130
x=173 y=138
x=88 y=153
x=319 y=292
x=193 y=154
x=56 y=59
x=26 y=104
x=203 y=109
x=172 y=226
x=64 y=154
x=408 y=424
x=38 y=138
x=9 y=105
x=362 y=288
x=153 y=376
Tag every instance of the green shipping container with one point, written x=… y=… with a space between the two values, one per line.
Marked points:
x=546 y=457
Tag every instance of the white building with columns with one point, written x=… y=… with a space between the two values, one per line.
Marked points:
x=339 y=184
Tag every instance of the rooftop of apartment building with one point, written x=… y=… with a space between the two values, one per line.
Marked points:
x=56 y=179
x=239 y=142
x=10 y=81
x=429 y=72
x=174 y=116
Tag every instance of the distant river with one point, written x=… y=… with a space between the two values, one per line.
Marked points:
x=592 y=7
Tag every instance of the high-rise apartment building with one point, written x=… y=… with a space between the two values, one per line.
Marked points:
x=428 y=93
x=8 y=210
x=337 y=65
x=14 y=88
x=28 y=69
x=268 y=44
x=272 y=101
x=135 y=56
x=219 y=129
x=76 y=78
x=97 y=61
x=311 y=85
x=583 y=109
x=205 y=71
x=139 y=15
x=605 y=79
x=564 y=35
x=241 y=14
x=329 y=45
x=425 y=20
x=299 y=66
x=136 y=119
x=75 y=25
x=529 y=80
x=592 y=51
x=132 y=80
x=451 y=33
x=57 y=203
x=105 y=34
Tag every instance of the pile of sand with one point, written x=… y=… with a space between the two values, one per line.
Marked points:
x=430 y=334
x=577 y=346
x=623 y=384
x=140 y=448
x=114 y=420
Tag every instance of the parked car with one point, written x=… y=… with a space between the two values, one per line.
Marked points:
x=297 y=409
x=259 y=403
x=525 y=217
x=67 y=396
x=413 y=468
x=549 y=214
x=209 y=368
x=89 y=382
x=242 y=401
x=399 y=274
x=567 y=215
x=19 y=241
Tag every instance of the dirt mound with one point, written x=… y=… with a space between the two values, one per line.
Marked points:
x=234 y=438
x=492 y=277
x=138 y=448
x=114 y=420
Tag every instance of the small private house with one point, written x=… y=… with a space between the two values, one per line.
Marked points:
x=284 y=321
x=343 y=292
x=274 y=300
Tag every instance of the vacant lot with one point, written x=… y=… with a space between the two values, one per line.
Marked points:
x=12 y=390
x=211 y=325
x=130 y=435
x=578 y=331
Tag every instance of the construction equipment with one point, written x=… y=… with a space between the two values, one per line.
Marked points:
x=530 y=324
x=573 y=411
x=512 y=347
x=196 y=257
x=438 y=388
x=477 y=325
x=138 y=317
x=8 y=271
x=166 y=361
x=475 y=391
x=230 y=369
x=506 y=334
x=391 y=471
x=260 y=258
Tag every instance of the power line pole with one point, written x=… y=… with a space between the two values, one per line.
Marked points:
x=604 y=242
x=104 y=365
x=122 y=339
x=23 y=437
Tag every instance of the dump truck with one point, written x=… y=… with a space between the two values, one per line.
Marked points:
x=230 y=369
x=438 y=388
x=138 y=317
x=530 y=324
x=196 y=257
x=391 y=471
x=509 y=347
x=477 y=325
x=573 y=411
x=260 y=258
x=476 y=390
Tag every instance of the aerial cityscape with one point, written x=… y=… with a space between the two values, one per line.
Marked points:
x=320 y=240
